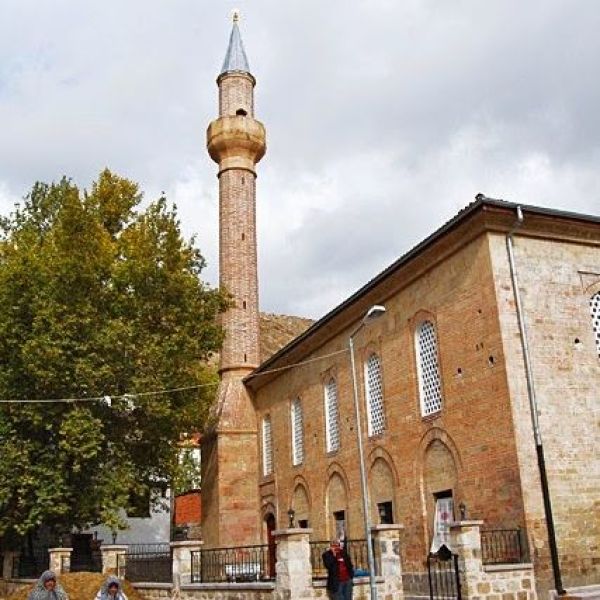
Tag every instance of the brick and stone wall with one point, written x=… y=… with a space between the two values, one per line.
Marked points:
x=469 y=447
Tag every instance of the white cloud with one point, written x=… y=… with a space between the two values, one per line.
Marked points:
x=383 y=118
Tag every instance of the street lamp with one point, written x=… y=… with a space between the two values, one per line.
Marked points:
x=373 y=313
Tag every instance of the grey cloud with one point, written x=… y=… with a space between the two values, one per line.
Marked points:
x=383 y=117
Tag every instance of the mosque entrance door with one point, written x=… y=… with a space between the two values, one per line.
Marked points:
x=270 y=522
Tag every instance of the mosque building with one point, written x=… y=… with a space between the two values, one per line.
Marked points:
x=483 y=364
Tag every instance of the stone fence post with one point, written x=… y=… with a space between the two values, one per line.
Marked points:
x=113 y=559
x=386 y=541
x=293 y=568
x=60 y=560
x=182 y=560
x=7 y=566
x=465 y=540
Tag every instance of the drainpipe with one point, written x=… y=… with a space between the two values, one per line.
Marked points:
x=534 y=408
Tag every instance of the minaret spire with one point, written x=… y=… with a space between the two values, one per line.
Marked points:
x=235 y=58
x=236 y=141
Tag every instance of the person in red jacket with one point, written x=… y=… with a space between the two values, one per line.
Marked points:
x=340 y=571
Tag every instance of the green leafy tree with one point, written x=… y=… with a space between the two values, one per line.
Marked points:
x=97 y=298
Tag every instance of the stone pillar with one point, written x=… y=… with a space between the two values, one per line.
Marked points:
x=182 y=560
x=7 y=566
x=293 y=568
x=465 y=540
x=386 y=542
x=113 y=559
x=60 y=560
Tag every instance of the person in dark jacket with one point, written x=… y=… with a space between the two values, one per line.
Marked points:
x=340 y=571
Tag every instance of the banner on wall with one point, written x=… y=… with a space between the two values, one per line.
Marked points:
x=444 y=515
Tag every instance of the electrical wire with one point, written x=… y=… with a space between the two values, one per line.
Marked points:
x=107 y=397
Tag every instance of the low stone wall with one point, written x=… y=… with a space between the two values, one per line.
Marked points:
x=9 y=586
x=225 y=591
x=154 y=591
x=361 y=590
x=505 y=582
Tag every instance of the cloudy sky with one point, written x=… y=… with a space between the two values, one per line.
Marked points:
x=384 y=117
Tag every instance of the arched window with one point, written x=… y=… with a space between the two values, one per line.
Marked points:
x=267 y=446
x=332 y=416
x=430 y=388
x=595 y=310
x=297 y=433
x=374 y=391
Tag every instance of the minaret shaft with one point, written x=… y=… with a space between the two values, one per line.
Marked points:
x=236 y=141
x=238 y=268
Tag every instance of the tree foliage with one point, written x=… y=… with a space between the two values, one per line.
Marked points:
x=97 y=298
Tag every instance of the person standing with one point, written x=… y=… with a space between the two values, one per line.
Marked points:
x=340 y=571
x=47 y=588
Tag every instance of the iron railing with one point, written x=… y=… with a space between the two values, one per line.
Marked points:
x=244 y=563
x=444 y=576
x=90 y=562
x=503 y=546
x=27 y=566
x=148 y=563
x=357 y=549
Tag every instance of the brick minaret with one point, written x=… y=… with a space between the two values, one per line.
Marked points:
x=236 y=141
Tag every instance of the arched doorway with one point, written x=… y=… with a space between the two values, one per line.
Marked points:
x=440 y=479
x=271 y=526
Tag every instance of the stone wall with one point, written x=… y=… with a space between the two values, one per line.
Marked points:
x=227 y=591
x=556 y=279
x=8 y=587
x=154 y=591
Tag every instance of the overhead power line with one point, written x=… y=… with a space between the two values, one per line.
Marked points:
x=107 y=398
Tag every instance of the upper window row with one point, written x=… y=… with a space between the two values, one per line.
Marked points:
x=430 y=394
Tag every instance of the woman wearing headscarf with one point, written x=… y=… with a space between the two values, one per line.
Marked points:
x=47 y=588
x=111 y=590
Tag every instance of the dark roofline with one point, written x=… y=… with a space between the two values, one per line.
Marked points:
x=480 y=202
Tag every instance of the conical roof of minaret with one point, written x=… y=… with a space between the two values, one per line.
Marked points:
x=235 y=59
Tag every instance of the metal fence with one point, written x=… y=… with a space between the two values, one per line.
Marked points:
x=357 y=550
x=90 y=562
x=31 y=566
x=244 y=563
x=444 y=576
x=503 y=546
x=148 y=562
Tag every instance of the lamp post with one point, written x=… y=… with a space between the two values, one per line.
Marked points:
x=373 y=313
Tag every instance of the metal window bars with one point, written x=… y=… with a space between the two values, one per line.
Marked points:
x=240 y=564
x=503 y=546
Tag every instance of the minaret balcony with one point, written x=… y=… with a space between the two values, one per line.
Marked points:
x=236 y=142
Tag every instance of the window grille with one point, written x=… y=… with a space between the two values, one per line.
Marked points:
x=374 y=390
x=332 y=416
x=267 y=439
x=297 y=433
x=595 y=310
x=429 y=372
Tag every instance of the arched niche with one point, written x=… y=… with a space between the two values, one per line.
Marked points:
x=301 y=505
x=336 y=505
x=382 y=492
